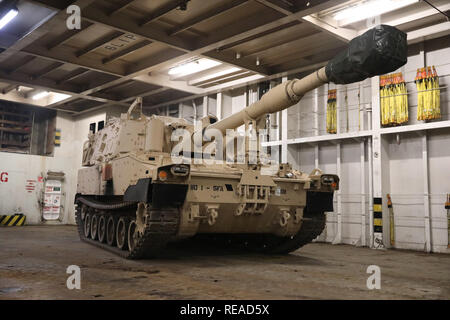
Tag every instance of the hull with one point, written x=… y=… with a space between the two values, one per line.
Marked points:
x=248 y=209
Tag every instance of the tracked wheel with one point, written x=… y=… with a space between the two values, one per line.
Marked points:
x=94 y=227
x=87 y=225
x=122 y=233
x=115 y=223
x=111 y=225
x=102 y=228
x=133 y=236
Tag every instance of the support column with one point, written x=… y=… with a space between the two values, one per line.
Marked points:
x=339 y=102
x=369 y=154
x=426 y=192
x=380 y=172
x=219 y=106
x=316 y=125
x=363 y=193
x=180 y=110
x=338 y=236
x=284 y=131
x=205 y=106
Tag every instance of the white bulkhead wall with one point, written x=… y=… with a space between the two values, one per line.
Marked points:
x=67 y=158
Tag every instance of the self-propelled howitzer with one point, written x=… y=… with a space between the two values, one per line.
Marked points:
x=133 y=197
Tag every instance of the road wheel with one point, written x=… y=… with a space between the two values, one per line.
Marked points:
x=111 y=225
x=133 y=236
x=94 y=227
x=87 y=225
x=122 y=233
x=102 y=228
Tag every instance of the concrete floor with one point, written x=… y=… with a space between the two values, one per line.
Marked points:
x=33 y=262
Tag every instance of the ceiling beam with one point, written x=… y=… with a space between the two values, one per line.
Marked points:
x=208 y=15
x=124 y=24
x=401 y=18
x=228 y=76
x=279 y=45
x=121 y=85
x=99 y=43
x=21 y=64
x=279 y=6
x=163 y=80
x=129 y=50
x=19 y=78
x=431 y=32
x=126 y=100
x=250 y=64
x=304 y=53
x=65 y=55
x=47 y=70
x=221 y=42
x=122 y=7
x=342 y=34
x=258 y=35
x=73 y=75
x=162 y=11
x=68 y=35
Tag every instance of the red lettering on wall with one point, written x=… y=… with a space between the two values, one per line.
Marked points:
x=4 y=177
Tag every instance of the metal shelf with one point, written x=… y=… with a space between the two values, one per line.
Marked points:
x=360 y=134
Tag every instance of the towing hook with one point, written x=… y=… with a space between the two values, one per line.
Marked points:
x=212 y=216
x=284 y=218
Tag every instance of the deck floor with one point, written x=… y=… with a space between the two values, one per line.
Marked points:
x=34 y=259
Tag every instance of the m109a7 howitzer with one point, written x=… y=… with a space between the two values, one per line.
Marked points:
x=134 y=196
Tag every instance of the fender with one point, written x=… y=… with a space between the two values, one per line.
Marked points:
x=158 y=194
x=317 y=201
x=138 y=192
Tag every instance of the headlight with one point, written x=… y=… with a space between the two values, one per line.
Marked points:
x=179 y=170
x=330 y=180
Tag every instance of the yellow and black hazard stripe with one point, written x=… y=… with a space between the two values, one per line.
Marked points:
x=58 y=138
x=377 y=215
x=16 y=220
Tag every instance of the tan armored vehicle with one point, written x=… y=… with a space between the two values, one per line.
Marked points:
x=139 y=191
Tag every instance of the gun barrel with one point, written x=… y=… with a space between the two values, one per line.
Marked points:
x=380 y=50
x=279 y=98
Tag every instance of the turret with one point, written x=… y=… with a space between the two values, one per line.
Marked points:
x=379 y=50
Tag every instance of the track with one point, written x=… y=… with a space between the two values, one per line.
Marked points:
x=312 y=226
x=160 y=226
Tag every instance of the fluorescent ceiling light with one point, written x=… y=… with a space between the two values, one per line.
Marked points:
x=57 y=97
x=215 y=75
x=40 y=95
x=12 y=13
x=369 y=9
x=193 y=67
